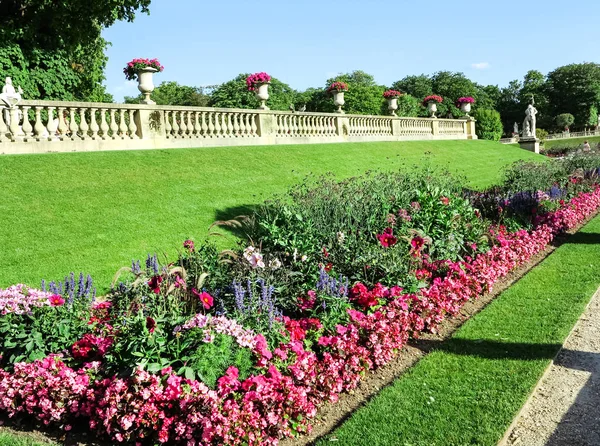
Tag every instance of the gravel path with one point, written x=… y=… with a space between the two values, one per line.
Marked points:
x=564 y=408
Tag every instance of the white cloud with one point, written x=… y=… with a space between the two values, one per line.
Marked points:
x=481 y=65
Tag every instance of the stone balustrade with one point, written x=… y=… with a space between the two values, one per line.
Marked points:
x=56 y=126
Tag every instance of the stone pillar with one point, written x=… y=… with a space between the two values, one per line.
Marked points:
x=435 y=127
x=150 y=123
x=396 y=129
x=266 y=125
x=471 y=128
x=342 y=126
x=531 y=144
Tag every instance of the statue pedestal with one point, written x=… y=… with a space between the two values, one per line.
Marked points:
x=530 y=143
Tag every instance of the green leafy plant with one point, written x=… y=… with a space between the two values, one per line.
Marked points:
x=489 y=124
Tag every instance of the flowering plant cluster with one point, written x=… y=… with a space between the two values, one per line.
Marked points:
x=238 y=365
x=389 y=94
x=20 y=299
x=432 y=98
x=338 y=86
x=465 y=100
x=136 y=65
x=254 y=80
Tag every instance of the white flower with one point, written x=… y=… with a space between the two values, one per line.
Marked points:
x=341 y=237
x=256 y=260
x=275 y=264
x=304 y=258
x=295 y=254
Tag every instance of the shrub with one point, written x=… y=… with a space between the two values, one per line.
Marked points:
x=541 y=134
x=489 y=124
x=564 y=121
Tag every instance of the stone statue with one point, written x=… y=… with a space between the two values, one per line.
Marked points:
x=516 y=129
x=10 y=96
x=529 y=123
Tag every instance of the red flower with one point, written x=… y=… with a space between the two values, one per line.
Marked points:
x=150 y=324
x=325 y=253
x=189 y=244
x=417 y=244
x=445 y=201
x=328 y=267
x=205 y=298
x=387 y=239
x=154 y=283
x=56 y=301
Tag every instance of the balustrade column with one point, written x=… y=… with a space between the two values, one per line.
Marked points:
x=175 y=125
x=83 y=125
x=103 y=124
x=14 y=122
x=114 y=128
x=52 y=124
x=73 y=127
x=183 y=126
x=122 y=124
x=38 y=128
x=93 y=124
x=132 y=125
x=27 y=128
x=3 y=126
x=168 y=127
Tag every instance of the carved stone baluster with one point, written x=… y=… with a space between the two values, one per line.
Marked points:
x=39 y=127
x=103 y=124
x=175 y=125
x=204 y=125
x=253 y=125
x=93 y=124
x=62 y=123
x=236 y=125
x=52 y=124
x=132 y=125
x=224 y=127
x=122 y=124
x=183 y=125
x=83 y=125
x=114 y=128
x=26 y=127
x=242 y=126
x=294 y=119
x=300 y=125
x=3 y=126
x=168 y=127
x=230 y=126
x=195 y=125
x=211 y=124
x=73 y=127
x=217 y=124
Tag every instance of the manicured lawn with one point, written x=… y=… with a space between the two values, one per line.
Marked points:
x=8 y=439
x=468 y=391
x=94 y=212
x=572 y=142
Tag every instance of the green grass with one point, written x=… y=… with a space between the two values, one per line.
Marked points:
x=94 y=212
x=571 y=142
x=467 y=391
x=22 y=439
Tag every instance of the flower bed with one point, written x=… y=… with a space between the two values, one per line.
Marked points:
x=298 y=360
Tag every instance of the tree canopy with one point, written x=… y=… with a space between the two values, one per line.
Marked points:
x=171 y=93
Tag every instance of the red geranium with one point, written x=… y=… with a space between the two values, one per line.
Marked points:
x=432 y=98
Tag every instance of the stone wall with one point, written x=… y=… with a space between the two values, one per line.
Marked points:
x=54 y=126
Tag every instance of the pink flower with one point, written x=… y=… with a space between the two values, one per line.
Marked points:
x=445 y=201
x=56 y=301
x=154 y=283
x=205 y=298
x=189 y=245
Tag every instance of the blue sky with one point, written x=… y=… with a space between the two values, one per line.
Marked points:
x=305 y=42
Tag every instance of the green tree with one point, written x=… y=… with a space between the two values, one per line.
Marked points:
x=408 y=106
x=593 y=116
x=451 y=86
x=574 y=89
x=535 y=86
x=509 y=106
x=171 y=93
x=234 y=94
x=364 y=96
x=54 y=49
x=489 y=125
x=417 y=86
x=564 y=121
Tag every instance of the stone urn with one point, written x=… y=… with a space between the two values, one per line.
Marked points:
x=261 y=91
x=392 y=105
x=465 y=107
x=432 y=108
x=338 y=100
x=145 y=84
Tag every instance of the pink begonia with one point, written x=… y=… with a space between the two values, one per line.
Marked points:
x=280 y=402
x=21 y=299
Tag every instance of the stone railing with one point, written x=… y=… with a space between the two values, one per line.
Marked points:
x=52 y=126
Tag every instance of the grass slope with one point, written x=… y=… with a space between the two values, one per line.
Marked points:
x=468 y=391
x=571 y=142
x=94 y=212
x=22 y=439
